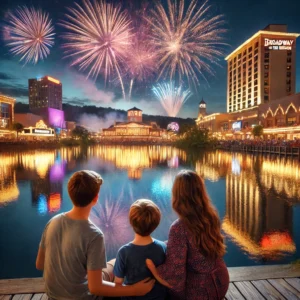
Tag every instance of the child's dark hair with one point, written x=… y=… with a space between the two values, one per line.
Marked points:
x=83 y=187
x=144 y=216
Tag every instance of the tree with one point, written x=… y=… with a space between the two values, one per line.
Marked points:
x=18 y=127
x=258 y=130
x=80 y=133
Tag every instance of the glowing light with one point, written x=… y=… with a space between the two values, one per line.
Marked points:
x=98 y=38
x=54 y=202
x=41 y=124
x=278 y=241
x=188 y=41
x=53 y=80
x=42 y=204
x=29 y=34
x=173 y=126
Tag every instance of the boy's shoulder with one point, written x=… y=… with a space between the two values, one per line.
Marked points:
x=160 y=244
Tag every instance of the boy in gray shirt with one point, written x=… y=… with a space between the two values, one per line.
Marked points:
x=72 y=250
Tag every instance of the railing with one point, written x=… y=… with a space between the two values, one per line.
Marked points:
x=281 y=150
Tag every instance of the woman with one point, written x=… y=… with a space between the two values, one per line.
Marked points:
x=194 y=268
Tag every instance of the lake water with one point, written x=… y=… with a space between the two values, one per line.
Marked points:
x=257 y=197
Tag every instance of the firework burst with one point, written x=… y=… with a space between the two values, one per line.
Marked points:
x=98 y=38
x=188 y=41
x=29 y=34
x=171 y=97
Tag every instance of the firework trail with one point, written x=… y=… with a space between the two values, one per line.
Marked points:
x=188 y=41
x=98 y=38
x=142 y=59
x=29 y=34
x=171 y=98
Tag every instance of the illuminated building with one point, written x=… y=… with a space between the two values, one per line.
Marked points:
x=45 y=92
x=39 y=131
x=262 y=69
x=281 y=118
x=260 y=88
x=134 y=129
x=6 y=114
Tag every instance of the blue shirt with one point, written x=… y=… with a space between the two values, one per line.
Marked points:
x=131 y=265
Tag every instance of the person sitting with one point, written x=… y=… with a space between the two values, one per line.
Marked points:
x=130 y=266
x=72 y=251
x=194 y=268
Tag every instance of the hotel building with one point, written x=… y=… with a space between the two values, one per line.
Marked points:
x=45 y=92
x=45 y=100
x=261 y=85
x=262 y=69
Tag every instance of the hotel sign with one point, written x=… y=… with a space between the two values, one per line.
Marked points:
x=279 y=44
x=41 y=131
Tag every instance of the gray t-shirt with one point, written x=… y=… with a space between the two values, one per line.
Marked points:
x=71 y=248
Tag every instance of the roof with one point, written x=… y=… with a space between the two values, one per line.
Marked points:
x=276 y=33
x=202 y=101
x=134 y=108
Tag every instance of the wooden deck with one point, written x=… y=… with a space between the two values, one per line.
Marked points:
x=263 y=282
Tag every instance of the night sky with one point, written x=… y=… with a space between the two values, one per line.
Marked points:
x=243 y=19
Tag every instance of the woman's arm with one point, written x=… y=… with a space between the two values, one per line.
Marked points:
x=154 y=272
x=173 y=270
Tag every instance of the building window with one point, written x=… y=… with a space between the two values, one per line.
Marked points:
x=266 y=98
x=266 y=75
x=255 y=82
x=250 y=49
x=255 y=88
x=288 y=67
x=255 y=51
x=289 y=60
x=256 y=45
x=249 y=62
x=266 y=90
x=291 y=121
x=289 y=53
x=266 y=82
x=266 y=67
x=288 y=74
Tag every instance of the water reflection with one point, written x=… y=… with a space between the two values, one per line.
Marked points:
x=257 y=195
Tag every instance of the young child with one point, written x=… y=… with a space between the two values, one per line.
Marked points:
x=130 y=266
x=72 y=250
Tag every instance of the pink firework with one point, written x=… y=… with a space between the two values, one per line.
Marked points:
x=112 y=218
x=98 y=38
x=29 y=34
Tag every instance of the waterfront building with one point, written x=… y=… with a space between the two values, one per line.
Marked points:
x=39 y=132
x=6 y=115
x=45 y=92
x=134 y=129
x=260 y=84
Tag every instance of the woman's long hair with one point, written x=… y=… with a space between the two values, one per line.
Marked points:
x=192 y=204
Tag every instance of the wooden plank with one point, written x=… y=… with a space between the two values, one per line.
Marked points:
x=294 y=282
x=37 y=297
x=22 y=286
x=263 y=272
x=248 y=290
x=233 y=293
x=267 y=290
x=22 y=297
x=285 y=289
x=5 y=297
